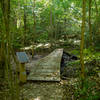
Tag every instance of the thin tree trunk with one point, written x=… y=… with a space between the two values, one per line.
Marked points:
x=51 y=23
x=90 y=28
x=54 y=22
x=34 y=27
x=82 y=40
x=24 y=35
x=34 y=16
x=96 y=7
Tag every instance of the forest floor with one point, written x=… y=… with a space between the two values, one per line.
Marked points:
x=49 y=90
x=67 y=89
x=43 y=90
x=64 y=90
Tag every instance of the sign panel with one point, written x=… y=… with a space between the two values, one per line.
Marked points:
x=22 y=57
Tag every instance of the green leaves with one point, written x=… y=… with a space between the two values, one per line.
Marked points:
x=88 y=92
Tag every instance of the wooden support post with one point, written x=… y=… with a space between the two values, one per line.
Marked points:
x=22 y=73
x=22 y=58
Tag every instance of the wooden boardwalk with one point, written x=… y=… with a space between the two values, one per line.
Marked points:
x=47 y=68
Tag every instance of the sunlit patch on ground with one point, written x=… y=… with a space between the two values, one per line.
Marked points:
x=38 y=98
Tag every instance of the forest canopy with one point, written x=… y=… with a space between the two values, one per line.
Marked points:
x=43 y=20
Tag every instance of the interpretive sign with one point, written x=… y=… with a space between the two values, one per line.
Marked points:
x=22 y=58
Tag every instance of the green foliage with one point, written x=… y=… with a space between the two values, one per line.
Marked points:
x=66 y=20
x=74 y=63
x=16 y=44
x=86 y=91
x=75 y=52
x=89 y=55
x=55 y=20
x=42 y=38
x=61 y=11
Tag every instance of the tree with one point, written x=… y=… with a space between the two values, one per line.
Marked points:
x=7 y=50
x=90 y=28
x=5 y=6
x=25 y=26
x=51 y=19
x=34 y=17
x=82 y=40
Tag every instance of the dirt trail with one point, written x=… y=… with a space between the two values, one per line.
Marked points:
x=43 y=91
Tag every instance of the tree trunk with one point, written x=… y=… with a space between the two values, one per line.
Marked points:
x=5 y=6
x=34 y=27
x=90 y=28
x=96 y=7
x=24 y=35
x=82 y=40
x=51 y=23
x=34 y=16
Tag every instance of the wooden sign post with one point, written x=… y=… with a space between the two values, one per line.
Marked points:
x=23 y=58
x=22 y=75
